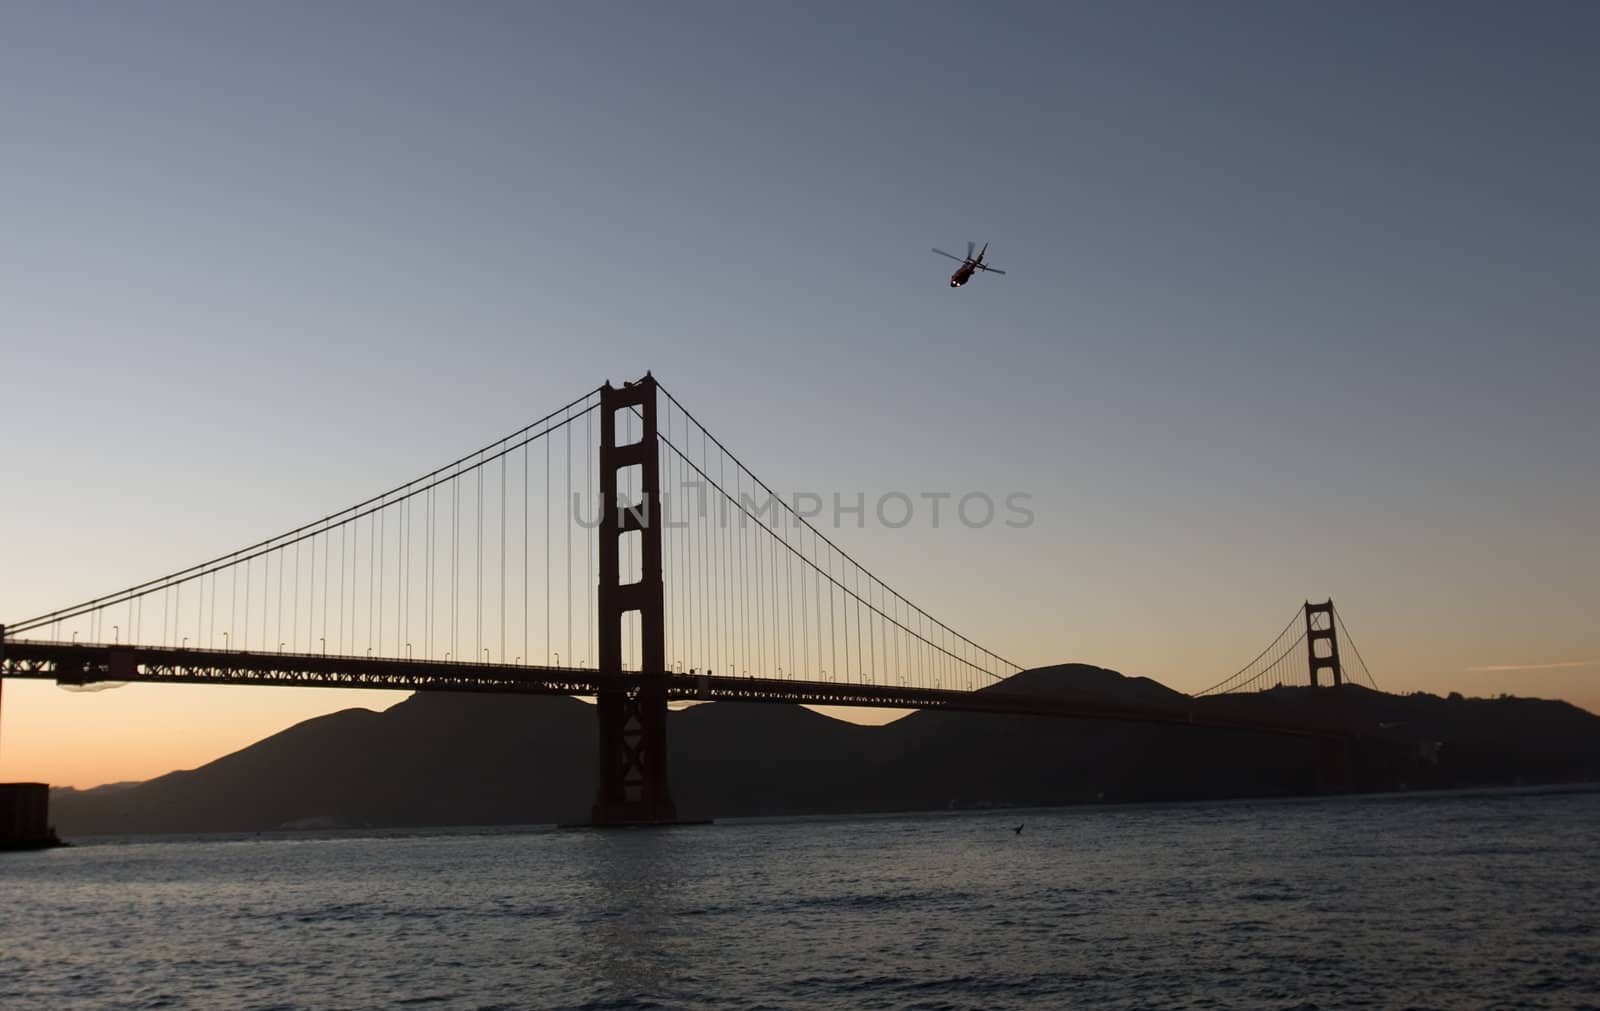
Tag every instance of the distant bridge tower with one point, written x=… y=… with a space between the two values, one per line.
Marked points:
x=632 y=787
x=1322 y=645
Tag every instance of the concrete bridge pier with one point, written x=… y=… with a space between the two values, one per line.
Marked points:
x=25 y=817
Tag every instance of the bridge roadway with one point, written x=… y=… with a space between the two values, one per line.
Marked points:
x=72 y=663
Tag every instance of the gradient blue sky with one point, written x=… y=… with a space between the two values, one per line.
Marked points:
x=1302 y=302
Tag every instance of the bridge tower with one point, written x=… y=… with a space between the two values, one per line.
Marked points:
x=632 y=787
x=1322 y=645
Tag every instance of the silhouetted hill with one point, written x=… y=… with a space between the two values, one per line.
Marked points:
x=1502 y=741
x=434 y=759
x=1089 y=683
x=768 y=759
x=443 y=759
x=950 y=759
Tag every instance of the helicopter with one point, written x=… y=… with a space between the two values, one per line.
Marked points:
x=963 y=274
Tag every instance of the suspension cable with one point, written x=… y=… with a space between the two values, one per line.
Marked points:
x=335 y=519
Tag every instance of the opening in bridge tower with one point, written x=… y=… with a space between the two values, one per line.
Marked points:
x=632 y=788
x=1322 y=644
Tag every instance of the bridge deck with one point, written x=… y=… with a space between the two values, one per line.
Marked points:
x=82 y=664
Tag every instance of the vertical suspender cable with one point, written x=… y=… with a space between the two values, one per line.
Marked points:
x=788 y=594
x=725 y=574
x=772 y=567
x=547 y=641
x=502 y=559
x=760 y=609
x=527 y=652
x=860 y=656
x=455 y=567
x=816 y=586
x=372 y=571
x=402 y=616
x=566 y=498
x=744 y=646
x=477 y=572
x=670 y=544
x=327 y=572
x=430 y=568
x=247 y=607
x=833 y=615
x=705 y=555
x=590 y=450
x=342 y=538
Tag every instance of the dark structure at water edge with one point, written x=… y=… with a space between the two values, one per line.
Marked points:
x=25 y=817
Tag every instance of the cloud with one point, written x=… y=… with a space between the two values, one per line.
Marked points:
x=1535 y=666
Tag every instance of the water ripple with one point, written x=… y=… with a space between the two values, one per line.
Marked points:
x=1426 y=902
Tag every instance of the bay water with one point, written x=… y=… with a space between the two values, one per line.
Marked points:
x=1475 y=899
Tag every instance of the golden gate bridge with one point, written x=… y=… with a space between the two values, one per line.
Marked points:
x=612 y=549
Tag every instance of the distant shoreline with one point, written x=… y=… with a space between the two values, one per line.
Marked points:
x=435 y=831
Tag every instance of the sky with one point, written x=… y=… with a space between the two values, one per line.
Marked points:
x=1300 y=304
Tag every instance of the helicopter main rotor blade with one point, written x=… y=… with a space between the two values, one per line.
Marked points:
x=951 y=255
x=991 y=270
x=970 y=245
